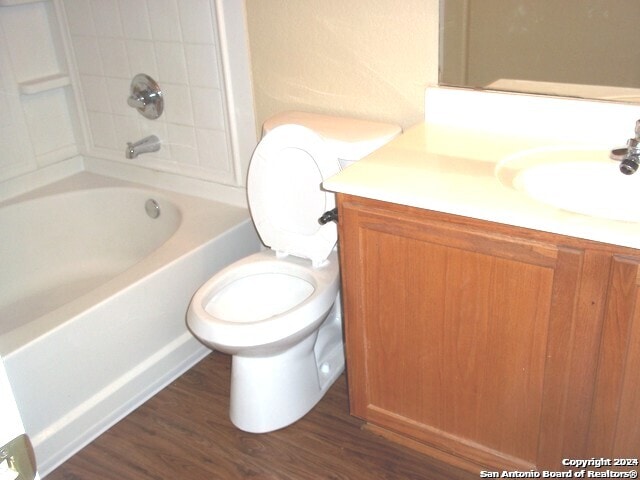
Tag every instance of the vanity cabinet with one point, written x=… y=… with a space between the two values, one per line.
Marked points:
x=486 y=345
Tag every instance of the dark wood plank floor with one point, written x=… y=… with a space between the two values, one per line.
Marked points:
x=184 y=433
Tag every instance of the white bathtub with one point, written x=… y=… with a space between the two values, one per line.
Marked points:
x=93 y=295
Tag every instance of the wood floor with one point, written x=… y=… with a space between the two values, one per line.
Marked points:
x=184 y=433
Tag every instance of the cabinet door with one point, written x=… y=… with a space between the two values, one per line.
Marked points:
x=458 y=336
x=615 y=426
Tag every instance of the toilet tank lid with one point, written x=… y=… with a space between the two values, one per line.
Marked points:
x=348 y=138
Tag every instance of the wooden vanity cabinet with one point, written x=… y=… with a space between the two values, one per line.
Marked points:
x=489 y=346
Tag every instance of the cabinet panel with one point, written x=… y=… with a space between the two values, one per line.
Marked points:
x=572 y=355
x=627 y=438
x=615 y=429
x=487 y=345
x=469 y=340
x=454 y=334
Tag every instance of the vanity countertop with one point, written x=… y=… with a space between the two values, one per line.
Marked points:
x=452 y=170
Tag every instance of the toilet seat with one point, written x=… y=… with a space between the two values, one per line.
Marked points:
x=298 y=312
x=230 y=303
x=285 y=196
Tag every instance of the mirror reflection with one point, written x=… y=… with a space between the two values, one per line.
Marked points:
x=581 y=48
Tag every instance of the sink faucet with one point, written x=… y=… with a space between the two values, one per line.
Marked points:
x=630 y=156
x=146 y=145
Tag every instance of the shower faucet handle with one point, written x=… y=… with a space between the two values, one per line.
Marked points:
x=146 y=96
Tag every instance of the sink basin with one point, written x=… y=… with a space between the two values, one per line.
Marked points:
x=580 y=181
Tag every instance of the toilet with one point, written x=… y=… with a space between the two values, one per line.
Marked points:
x=277 y=312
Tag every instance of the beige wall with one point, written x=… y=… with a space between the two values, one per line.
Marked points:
x=368 y=59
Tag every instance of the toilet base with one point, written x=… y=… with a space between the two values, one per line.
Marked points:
x=269 y=393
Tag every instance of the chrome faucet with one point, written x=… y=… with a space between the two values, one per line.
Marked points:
x=146 y=96
x=629 y=157
x=146 y=145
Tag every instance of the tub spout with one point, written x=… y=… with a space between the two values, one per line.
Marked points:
x=146 y=145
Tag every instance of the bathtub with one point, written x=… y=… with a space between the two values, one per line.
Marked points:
x=93 y=295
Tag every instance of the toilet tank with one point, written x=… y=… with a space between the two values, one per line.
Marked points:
x=350 y=138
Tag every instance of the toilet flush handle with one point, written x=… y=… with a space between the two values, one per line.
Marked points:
x=329 y=216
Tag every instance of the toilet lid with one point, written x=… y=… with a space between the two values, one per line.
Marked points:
x=285 y=192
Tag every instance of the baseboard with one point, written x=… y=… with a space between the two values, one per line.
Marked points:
x=114 y=403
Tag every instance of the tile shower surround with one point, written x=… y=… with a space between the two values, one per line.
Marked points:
x=98 y=46
x=176 y=44
x=36 y=129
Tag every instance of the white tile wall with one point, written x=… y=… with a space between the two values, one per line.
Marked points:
x=50 y=125
x=176 y=43
x=65 y=70
x=36 y=127
x=16 y=153
x=28 y=27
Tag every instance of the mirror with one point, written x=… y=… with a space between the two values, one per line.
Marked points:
x=576 y=48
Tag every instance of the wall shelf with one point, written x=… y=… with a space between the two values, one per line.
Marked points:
x=43 y=84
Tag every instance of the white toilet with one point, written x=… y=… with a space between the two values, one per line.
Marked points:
x=277 y=312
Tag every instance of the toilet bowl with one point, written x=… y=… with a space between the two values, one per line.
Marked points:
x=263 y=303
x=280 y=320
x=277 y=312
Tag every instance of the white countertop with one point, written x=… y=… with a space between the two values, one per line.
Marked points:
x=451 y=170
